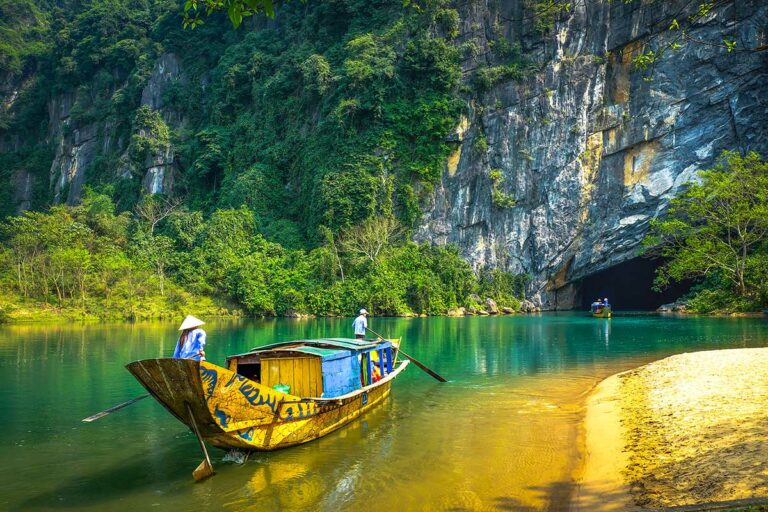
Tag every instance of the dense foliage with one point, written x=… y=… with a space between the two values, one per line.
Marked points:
x=163 y=260
x=717 y=232
x=302 y=148
x=334 y=113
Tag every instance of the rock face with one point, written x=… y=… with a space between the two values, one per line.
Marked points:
x=161 y=167
x=166 y=74
x=22 y=185
x=76 y=147
x=160 y=170
x=589 y=150
x=673 y=307
x=529 y=307
x=556 y=173
x=78 y=144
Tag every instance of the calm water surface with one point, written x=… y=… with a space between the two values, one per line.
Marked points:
x=501 y=435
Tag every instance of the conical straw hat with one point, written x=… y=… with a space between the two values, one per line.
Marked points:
x=190 y=322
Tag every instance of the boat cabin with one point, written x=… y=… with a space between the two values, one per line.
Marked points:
x=322 y=368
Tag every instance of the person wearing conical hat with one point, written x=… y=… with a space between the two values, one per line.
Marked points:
x=191 y=341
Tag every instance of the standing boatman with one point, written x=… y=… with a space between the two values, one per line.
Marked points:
x=360 y=324
x=191 y=341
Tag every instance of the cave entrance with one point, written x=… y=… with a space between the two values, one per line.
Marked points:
x=629 y=285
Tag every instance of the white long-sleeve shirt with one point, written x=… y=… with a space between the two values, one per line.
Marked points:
x=360 y=325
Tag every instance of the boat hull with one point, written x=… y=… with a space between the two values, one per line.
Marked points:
x=232 y=411
x=602 y=313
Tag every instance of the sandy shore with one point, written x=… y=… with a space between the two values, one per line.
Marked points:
x=689 y=429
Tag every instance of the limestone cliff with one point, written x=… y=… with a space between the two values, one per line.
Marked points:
x=79 y=144
x=557 y=167
x=588 y=149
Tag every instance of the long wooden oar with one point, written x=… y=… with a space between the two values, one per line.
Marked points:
x=422 y=366
x=114 y=408
x=205 y=469
x=414 y=361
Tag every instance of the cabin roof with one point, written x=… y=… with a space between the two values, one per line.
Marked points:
x=342 y=343
x=321 y=343
x=326 y=354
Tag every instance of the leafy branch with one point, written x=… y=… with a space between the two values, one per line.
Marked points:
x=647 y=60
x=499 y=198
x=716 y=226
x=235 y=9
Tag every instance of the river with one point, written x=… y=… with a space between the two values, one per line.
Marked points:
x=502 y=434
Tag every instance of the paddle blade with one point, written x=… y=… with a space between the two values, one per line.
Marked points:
x=203 y=471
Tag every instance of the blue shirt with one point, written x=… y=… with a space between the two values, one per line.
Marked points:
x=360 y=324
x=194 y=344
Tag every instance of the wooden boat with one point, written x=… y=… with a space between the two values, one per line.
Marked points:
x=274 y=396
x=601 y=311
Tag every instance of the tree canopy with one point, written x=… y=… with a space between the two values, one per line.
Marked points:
x=717 y=230
x=235 y=9
x=162 y=259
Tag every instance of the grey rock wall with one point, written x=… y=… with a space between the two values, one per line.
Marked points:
x=160 y=169
x=588 y=149
x=22 y=185
x=77 y=145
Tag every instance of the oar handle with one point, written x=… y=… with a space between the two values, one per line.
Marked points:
x=421 y=365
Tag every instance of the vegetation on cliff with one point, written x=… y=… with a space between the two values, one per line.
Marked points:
x=332 y=114
x=302 y=149
x=716 y=232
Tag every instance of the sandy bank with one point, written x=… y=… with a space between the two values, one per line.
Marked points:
x=689 y=429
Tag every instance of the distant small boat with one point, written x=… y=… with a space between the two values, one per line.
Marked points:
x=601 y=311
x=275 y=396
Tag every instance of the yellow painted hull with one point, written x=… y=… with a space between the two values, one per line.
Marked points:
x=232 y=411
x=602 y=313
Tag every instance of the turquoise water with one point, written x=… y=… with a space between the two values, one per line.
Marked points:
x=503 y=433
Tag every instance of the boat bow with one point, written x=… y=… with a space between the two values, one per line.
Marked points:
x=176 y=383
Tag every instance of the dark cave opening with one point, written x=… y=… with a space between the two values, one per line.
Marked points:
x=629 y=285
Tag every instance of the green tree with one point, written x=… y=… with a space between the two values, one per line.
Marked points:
x=22 y=28
x=716 y=226
x=154 y=252
x=368 y=240
x=235 y=9
x=317 y=74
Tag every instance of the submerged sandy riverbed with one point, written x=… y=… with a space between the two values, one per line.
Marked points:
x=689 y=429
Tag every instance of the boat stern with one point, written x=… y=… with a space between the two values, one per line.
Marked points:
x=176 y=384
x=227 y=407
